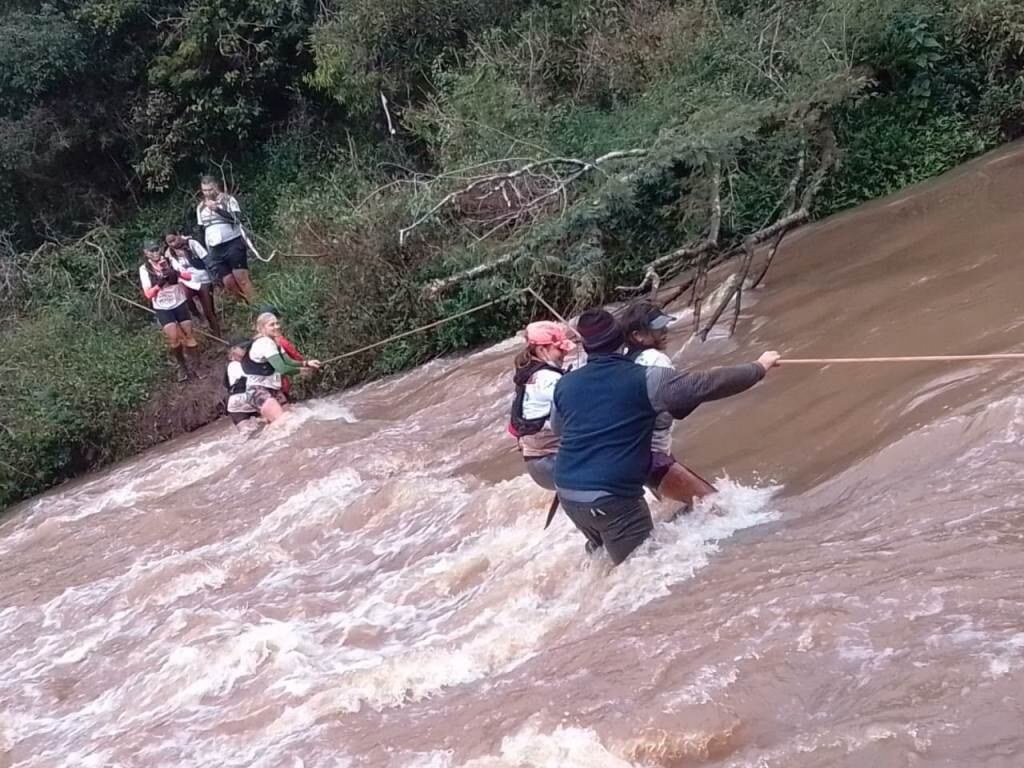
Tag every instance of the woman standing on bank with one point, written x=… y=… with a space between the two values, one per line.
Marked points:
x=162 y=286
x=188 y=256
x=220 y=216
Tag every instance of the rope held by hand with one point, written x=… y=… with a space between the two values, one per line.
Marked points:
x=909 y=359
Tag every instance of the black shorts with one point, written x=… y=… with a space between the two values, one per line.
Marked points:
x=224 y=258
x=661 y=463
x=238 y=418
x=179 y=314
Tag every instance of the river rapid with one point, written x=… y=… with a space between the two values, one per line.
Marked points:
x=370 y=584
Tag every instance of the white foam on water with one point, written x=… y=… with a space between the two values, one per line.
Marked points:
x=679 y=549
x=351 y=592
x=460 y=615
x=331 y=410
x=530 y=747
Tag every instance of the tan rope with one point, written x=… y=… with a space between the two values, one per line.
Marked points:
x=914 y=359
x=404 y=334
x=150 y=310
x=554 y=312
x=422 y=328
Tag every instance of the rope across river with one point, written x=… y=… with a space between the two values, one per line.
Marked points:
x=907 y=359
x=422 y=328
x=815 y=361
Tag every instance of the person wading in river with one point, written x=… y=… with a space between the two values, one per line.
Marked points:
x=605 y=414
x=646 y=326
x=264 y=365
x=187 y=255
x=239 y=404
x=288 y=347
x=161 y=284
x=537 y=370
x=220 y=216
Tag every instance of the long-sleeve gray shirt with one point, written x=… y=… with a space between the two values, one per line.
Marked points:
x=678 y=394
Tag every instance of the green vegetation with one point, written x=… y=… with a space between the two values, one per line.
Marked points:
x=340 y=124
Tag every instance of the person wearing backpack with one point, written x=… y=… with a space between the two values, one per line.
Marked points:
x=538 y=369
x=220 y=217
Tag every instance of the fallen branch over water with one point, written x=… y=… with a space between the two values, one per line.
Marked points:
x=439 y=286
x=511 y=195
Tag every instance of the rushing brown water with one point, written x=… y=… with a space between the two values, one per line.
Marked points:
x=371 y=586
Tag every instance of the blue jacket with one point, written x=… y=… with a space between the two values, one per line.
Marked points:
x=606 y=420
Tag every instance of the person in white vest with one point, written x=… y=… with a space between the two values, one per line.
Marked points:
x=161 y=284
x=220 y=216
x=187 y=254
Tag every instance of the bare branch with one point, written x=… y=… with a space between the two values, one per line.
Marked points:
x=828 y=160
x=826 y=163
x=701 y=249
x=441 y=285
x=715 y=225
x=748 y=259
x=700 y=282
x=651 y=281
x=768 y=262
x=495 y=182
x=728 y=290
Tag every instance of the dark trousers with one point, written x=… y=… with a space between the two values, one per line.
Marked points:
x=617 y=523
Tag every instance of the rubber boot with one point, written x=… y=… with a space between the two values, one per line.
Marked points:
x=195 y=366
x=179 y=357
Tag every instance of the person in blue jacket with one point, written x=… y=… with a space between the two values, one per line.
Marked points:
x=605 y=414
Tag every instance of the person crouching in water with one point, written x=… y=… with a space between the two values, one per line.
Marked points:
x=605 y=413
x=265 y=364
x=646 y=326
x=188 y=255
x=287 y=347
x=537 y=370
x=239 y=405
x=161 y=285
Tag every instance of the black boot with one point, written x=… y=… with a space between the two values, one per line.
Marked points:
x=183 y=372
x=194 y=366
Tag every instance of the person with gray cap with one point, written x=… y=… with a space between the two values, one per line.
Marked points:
x=605 y=414
x=645 y=326
x=162 y=286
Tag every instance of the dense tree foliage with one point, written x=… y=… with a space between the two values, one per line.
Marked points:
x=343 y=123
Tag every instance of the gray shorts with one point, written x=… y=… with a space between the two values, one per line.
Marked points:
x=542 y=470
